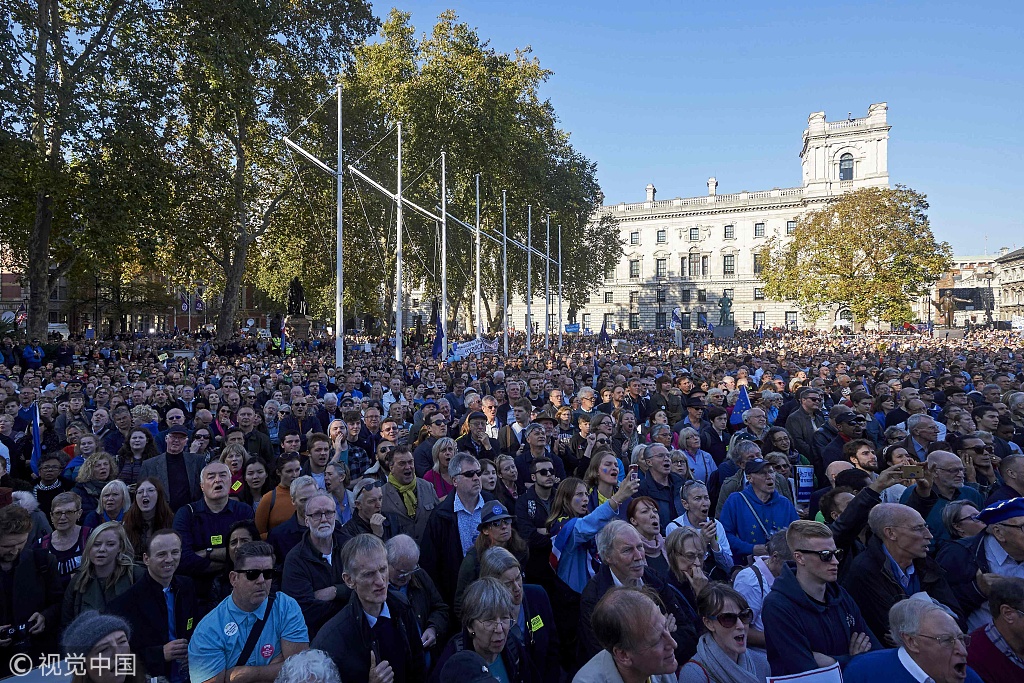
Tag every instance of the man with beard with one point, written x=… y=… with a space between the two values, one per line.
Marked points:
x=861 y=454
x=313 y=568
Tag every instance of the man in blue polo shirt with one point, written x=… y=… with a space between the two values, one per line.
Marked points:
x=221 y=648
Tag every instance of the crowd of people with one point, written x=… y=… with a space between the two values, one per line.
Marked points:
x=763 y=505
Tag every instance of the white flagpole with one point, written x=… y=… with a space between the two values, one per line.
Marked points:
x=547 y=287
x=560 y=288
x=444 y=251
x=479 y=325
x=504 y=271
x=398 y=269
x=339 y=312
x=529 y=276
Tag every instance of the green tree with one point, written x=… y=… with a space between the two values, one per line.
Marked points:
x=870 y=250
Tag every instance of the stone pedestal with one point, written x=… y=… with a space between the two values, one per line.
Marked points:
x=724 y=332
x=297 y=327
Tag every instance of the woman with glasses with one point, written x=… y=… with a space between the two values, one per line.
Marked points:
x=67 y=541
x=442 y=452
x=778 y=440
x=487 y=619
x=680 y=465
x=534 y=618
x=108 y=569
x=700 y=462
x=202 y=445
x=222 y=423
x=961 y=520
x=148 y=514
x=496 y=531
x=686 y=550
x=51 y=484
x=697 y=502
x=722 y=654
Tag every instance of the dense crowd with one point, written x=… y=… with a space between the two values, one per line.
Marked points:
x=718 y=512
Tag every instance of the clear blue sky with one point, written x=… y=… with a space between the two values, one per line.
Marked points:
x=674 y=92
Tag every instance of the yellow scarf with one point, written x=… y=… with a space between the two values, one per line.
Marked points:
x=408 y=493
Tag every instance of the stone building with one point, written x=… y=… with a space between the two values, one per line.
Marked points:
x=1010 y=266
x=690 y=252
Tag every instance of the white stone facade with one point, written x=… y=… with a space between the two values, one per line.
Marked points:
x=687 y=252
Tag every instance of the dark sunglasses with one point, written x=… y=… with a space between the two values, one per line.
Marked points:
x=981 y=449
x=729 y=619
x=369 y=487
x=253 y=574
x=823 y=555
x=602 y=441
x=437 y=423
x=470 y=474
x=547 y=472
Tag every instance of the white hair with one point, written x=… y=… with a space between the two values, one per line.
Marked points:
x=309 y=666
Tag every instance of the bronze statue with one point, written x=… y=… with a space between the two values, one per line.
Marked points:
x=296 y=298
x=946 y=306
x=725 y=311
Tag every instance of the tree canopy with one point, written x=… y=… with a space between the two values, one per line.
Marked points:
x=870 y=250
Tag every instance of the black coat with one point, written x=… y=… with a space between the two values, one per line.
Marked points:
x=515 y=658
x=306 y=571
x=348 y=640
x=427 y=605
x=441 y=550
x=144 y=607
x=962 y=560
x=541 y=636
x=870 y=582
x=602 y=582
x=36 y=587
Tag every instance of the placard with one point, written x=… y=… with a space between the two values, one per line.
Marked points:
x=804 y=483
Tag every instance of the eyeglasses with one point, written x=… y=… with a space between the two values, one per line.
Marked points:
x=981 y=449
x=254 y=574
x=326 y=514
x=947 y=640
x=369 y=487
x=602 y=441
x=438 y=423
x=729 y=619
x=546 y=472
x=470 y=474
x=64 y=513
x=917 y=528
x=951 y=470
x=1018 y=527
x=823 y=555
x=401 y=576
x=972 y=518
x=495 y=624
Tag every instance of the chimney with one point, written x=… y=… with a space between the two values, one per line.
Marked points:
x=651 y=191
x=712 y=186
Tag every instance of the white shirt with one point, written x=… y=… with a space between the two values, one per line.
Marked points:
x=1002 y=564
x=5 y=453
x=747 y=585
x=385 y=613
x=912 y=668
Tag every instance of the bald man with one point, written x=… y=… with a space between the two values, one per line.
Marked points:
x=814 y=507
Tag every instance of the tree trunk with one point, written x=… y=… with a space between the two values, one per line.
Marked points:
x=38 y=270
x=233 y=274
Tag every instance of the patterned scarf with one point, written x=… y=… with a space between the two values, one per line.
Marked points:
x=408 y=493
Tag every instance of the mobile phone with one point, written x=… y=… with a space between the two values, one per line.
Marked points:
x=634 y=471
x=912 y=471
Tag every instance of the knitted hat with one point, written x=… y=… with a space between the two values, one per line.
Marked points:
x=89 y=628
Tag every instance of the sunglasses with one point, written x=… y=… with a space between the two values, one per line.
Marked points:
x=729 y=619
x=254 y=574
x=823 y=555
x=981 y=449
x=369 y=487
x=547 y=472
x=438 y=423
x=470 y=474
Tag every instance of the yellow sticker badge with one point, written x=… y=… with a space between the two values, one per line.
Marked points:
x=536 y=624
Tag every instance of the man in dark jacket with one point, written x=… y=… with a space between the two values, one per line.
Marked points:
x=532 y=510
x=661 y=484
x=377 y=628
x=288 y=534
x=809 y=620
x=32 y=598
x=446 y=541
x=622 y=553
x=316 y=584
x=805 y=420
x=895 y=566
x=155 y=602
x=256 y=442
x=406 y=577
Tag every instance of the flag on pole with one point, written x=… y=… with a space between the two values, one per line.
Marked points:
x=199 y=304
x=604 y=337
x=440 y=338
x=677 y=320
x=37 y=442
x=184 y=302
x=597 y=372
x=760 y=331
x=742 y=405
x=21 y=316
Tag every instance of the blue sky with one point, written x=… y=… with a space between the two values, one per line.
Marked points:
x=674 y=92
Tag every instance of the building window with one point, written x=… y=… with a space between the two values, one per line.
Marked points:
x=660 y=267
x=634 y=238
x=660 y=321
x=609 y=321
x=634 y=298
x=702 y=296
x=791 y=320
x=790 y=227
x=634 y=268
x=758 y=229
x=553 y=321
x=846 y=167
x=553 y=299
x=686 y=320
x=609 y=273
x=729 y=264
x=705 y=265
x=609 y=297
x=694 y=234
x=662 y=237
x=758 y=294
x=586 y=321
x=686 y=296
x=661 y=296
x=694 y=265
x=730 y=232
x=634 y=321
x=729 y=293
x=757 y=264
x=758 y=318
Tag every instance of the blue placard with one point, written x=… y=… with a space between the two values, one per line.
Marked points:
x=573 y=328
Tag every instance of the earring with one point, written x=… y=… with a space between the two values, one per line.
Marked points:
x=473 y=633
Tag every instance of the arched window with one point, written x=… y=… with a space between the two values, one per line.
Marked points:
x=846 y=167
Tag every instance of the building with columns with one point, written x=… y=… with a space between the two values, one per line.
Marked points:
x=690 y=252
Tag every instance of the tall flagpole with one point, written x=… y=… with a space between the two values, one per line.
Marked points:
x=398 y=253
x=339 y=313
x=444 y=252
x=560 y=326
x=479 y=326
x=547 y=287
x=504 y=271
x=529 y=277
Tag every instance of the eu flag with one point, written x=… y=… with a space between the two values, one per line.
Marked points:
x=742 y=405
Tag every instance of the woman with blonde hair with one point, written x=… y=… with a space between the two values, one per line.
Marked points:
x=234 y=456
x=98 y=469
x=442 y=451
x=115 y=499
x=108 y=569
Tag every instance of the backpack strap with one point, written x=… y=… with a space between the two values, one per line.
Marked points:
x=760 y=578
